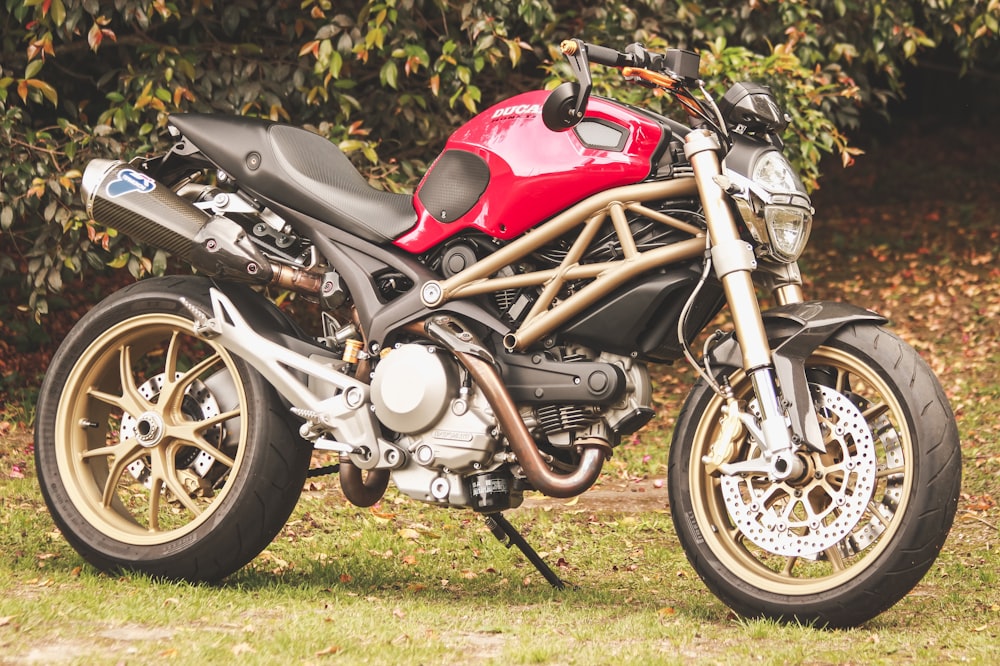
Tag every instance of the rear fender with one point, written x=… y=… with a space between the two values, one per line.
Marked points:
x=800 y=328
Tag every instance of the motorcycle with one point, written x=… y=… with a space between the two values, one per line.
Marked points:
x=491 y=334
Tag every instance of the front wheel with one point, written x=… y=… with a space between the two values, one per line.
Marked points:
x=157 y=450
x=850 y=537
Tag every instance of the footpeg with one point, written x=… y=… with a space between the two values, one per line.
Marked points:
x=204 y=326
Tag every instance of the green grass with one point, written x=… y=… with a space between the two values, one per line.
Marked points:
x=407 y=583
x=411 y=584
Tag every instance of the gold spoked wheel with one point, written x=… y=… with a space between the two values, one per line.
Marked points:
x=158 y=451
x=778 y=535
x=860 y=525
x=143 y=446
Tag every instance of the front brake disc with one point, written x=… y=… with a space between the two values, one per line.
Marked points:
x=804 y=517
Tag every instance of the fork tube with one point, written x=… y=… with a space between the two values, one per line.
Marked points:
x=787 y=294
x=734 y=261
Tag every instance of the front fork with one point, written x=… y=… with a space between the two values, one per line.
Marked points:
x=734 y=263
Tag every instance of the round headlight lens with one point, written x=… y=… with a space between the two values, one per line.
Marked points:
x=788 y=228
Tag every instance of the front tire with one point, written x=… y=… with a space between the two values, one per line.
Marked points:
x=852 y=537
x=158 y=451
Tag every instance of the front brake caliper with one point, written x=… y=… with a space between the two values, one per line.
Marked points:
x=731 y=434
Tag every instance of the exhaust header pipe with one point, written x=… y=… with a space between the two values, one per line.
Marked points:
x=119 y=196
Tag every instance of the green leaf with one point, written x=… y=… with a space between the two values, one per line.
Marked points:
x=389 y=74
x=47 y=91
x=336 y=64
x=58 y=12
x=159 y=262
x=35 y=66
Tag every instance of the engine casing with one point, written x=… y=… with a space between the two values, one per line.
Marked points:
x=447 y=431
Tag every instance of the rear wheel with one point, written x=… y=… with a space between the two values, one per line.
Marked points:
x=158 y=451
x=852 y=535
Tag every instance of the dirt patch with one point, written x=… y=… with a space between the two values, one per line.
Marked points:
x=621 y=497
x=60 y=652
x=477 y=646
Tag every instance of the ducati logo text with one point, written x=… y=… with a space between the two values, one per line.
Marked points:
x=519 y=110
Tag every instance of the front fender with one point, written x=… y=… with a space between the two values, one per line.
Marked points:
x=796 y=330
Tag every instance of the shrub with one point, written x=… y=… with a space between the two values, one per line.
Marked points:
x=388 y=80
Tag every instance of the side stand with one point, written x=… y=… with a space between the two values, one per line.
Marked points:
x=509 y=536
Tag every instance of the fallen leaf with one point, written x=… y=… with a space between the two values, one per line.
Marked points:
x=326 y=652
x=409 y=533
x=346 y=578
x=398 y=613
x=4 y=621
x=409 y=559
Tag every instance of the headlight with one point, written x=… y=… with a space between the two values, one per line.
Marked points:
x=773 y=172
x=774 y=205
x=788 y=228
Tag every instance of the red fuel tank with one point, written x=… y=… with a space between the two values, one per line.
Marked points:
x=504 y=171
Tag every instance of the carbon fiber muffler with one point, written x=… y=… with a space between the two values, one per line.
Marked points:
x=124 y=198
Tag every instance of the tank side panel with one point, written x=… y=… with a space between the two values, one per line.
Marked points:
x=535 y=172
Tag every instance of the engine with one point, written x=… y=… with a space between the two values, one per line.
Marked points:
x=446 y=433
x=448 y=448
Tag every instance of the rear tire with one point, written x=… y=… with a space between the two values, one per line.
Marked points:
x=888 y=484
x=158 y=451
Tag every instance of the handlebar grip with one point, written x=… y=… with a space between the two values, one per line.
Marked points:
x=602 y=55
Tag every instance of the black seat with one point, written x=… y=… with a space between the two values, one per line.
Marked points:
x=300 y=170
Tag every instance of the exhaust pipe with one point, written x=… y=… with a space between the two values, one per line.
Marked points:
x=119 y=196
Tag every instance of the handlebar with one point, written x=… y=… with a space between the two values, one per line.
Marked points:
x=602 y=55
x=674 y=70
x=675 y=64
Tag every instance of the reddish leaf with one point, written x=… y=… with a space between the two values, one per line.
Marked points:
x=94 y=37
